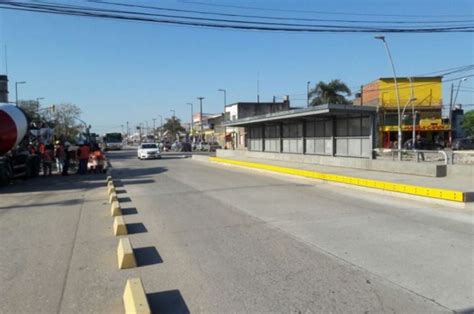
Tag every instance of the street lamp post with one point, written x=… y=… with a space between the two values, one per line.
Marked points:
x=161 y=126
x=200 y=113
x=457 y=91
x=382 y=38
x=307 y=93
x=16 y=91
x=225 y=95
x=191 y=122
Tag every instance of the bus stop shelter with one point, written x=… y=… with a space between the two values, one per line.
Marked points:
x=330 y=130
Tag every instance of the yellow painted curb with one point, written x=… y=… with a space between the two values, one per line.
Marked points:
x=120 y=228
x=111 y=190
x=450 y=195
x=113 y=197
x=125 y=256
x=110 y=183
x=134 y=297
x=115 y=209
x=109 y=178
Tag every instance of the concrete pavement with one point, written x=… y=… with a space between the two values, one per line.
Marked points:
x=215 y=239
x=234 y=240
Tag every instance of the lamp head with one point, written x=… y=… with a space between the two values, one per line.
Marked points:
x=380 y=37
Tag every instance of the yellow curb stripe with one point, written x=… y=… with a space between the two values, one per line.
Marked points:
x=450 y=195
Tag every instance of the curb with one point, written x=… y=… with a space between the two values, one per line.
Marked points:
x=441 y=194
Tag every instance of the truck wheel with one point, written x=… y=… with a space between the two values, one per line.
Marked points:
x=6 y=174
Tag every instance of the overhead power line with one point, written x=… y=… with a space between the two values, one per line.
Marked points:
x=320 y=12
x=186 y=20
x=279 y=18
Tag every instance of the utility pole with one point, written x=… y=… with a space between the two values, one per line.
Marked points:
x=382 y=38
x=307 y=93
x=161 y=126
x=200 y=113
x=16 y=91
x=191 y=121
x=154 y=129
x=128 y=131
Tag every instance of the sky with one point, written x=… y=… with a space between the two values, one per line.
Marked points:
x=133 y=71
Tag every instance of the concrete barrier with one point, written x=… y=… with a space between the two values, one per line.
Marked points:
x=115 y=209
x=125 y=256
x=109 y=178
x=448 y=195
x=134 y=297
x=113 y=197
x=109 y=183
x=111 y=190
x=120 y=228
x=405 y=167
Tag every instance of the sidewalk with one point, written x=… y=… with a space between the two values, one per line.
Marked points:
x=58 y=248
x=458 y=188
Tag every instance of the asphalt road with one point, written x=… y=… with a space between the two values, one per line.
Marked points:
x=223 y=239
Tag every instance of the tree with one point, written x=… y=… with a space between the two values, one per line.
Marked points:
x=173 y=126
x=334 y=92
x=468 y=122
x=31 y=108
x=65 y=122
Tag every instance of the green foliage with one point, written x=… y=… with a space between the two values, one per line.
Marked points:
x=334 y=92
x=30 y=107
x=173 y=126
x=65 y=122
x=468 y=122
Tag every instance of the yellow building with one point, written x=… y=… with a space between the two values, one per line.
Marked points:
x=423 y=94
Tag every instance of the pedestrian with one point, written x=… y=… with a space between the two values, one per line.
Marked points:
x=48 y=157
x=67 y=159
x=420 y=145
x=83 y=153
x=59 y=155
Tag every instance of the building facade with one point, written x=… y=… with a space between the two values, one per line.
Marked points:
x=420 y=102
x=236 y=137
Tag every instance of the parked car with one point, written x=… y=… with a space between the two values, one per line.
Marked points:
x=148 y=151
x=463 y=143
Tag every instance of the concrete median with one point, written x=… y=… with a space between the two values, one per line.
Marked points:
x=120 y=228
x=115 y=209
x=126 y=258
x=134 y=297
x=111 y=190
x=113 y=197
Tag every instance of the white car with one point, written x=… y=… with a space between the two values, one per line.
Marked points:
x=148 y=151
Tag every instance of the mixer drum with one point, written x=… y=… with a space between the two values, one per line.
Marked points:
x=13 y=127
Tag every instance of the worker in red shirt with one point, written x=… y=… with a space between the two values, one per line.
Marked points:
x=83 y=154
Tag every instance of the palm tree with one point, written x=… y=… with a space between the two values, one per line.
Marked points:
x=334 y=92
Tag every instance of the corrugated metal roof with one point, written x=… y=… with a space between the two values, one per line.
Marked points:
x=329 y=109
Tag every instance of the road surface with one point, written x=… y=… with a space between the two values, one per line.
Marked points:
x=235 y=240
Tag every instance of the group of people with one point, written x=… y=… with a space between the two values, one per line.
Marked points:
x=89 y=158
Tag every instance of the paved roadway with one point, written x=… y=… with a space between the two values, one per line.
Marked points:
x=234 y=240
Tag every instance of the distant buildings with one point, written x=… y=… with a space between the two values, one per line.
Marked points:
x=423 y=94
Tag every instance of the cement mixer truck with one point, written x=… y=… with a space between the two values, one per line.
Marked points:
x=16 y=161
